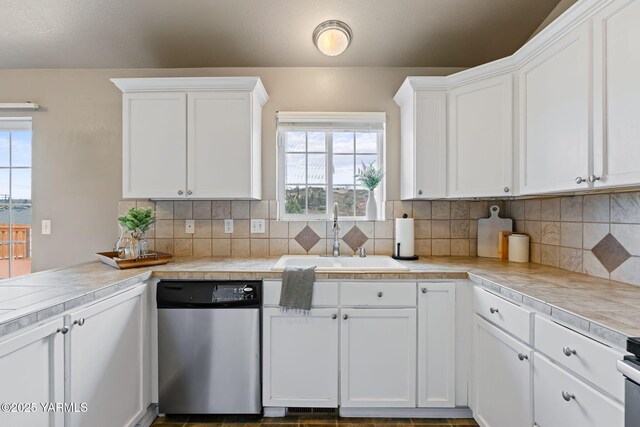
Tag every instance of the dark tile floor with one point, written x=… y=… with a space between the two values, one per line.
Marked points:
x=304 y=421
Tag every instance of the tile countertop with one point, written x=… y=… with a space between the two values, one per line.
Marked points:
x=607 y=310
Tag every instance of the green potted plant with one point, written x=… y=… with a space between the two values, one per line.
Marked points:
x=370 y=177
x=136 y=222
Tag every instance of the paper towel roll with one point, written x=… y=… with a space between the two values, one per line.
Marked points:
x=519 y=248
x=404 y=236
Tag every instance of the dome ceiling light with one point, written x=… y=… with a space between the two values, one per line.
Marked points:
x=332 y=37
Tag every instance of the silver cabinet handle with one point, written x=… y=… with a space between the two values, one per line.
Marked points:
x=63 y=330
x=594 y=178
x=507 y=189
x=345 y=316
x=189 y=192
x=79 y=321
x=180 y=192
x=380 y=294
x=424 y=290
x=522 y=357
x=334 y=316
x=420 y=192
x=568 y=396
x=568 y=351
x=580 y=180
x=493 y=310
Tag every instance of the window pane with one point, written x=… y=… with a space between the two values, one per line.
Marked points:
x=317 y=199
x=367 y=159
x=295 y=200
x=4 y=241
x=21 y=238
x=296 y=169
x=21 y=148
x=317 y=169
x=343 y=195
x=316 y=141
x=343 y=171
x=295 y=141
x=4 y=148
x=21 y=185
x=366 y=142
x=361 y=201
x=343 y=142
x=4 y=185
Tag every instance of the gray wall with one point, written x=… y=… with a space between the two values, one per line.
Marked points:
x=78 y=138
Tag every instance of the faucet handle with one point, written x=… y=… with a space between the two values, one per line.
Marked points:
x=362 y=252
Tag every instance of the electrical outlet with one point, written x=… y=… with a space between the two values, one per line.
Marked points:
x=257 y=226
x=189 y=226
x=228 y=226
x=46 y=226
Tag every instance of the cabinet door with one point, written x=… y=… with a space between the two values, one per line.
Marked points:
x=502 y=381
x=616 y=93
x=554 y=116
x=378 y=358
x=221 y=162
x=300 y=358
x=32 y=371
x=563 y=400
x=436 y=344
x=480 y=138
x=105 y=362
x=154 y=151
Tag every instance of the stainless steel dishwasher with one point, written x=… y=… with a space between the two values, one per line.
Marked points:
x=209 y=347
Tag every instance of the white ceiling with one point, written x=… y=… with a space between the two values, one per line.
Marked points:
x=266 y=33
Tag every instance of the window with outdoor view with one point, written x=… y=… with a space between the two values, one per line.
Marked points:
x=318 y=158
x=15 y=197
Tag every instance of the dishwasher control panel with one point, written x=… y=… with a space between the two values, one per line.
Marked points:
x=208 y=293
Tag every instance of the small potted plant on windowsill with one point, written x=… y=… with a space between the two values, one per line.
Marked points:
x=136 y=222
x=370 y=177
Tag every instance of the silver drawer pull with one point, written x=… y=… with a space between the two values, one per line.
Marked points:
x=79 y=322
x=379 y=294
x=568 y=351
x=522 y=357
x=424 y=290
x=334 y=316
x=493 y=310
x=63 y=330
x=345 y=316
x=568 y=396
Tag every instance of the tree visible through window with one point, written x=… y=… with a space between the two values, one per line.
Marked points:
x=15 y=197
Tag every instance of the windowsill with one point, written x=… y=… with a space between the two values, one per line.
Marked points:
x=340 y=219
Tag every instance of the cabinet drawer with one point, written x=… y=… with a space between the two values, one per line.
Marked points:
x=512 y=318
x=593 y=361
x=560 y=399
x=325 y=294
x=378 y=294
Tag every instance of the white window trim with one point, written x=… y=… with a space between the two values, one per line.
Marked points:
x=328 y=121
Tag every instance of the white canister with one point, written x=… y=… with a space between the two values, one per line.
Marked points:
x=519 y=248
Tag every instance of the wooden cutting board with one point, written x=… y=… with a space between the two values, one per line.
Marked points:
x=488 y=229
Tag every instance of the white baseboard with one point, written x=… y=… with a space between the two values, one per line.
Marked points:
x=406 y=412
x=149 y=417
x=274 y=412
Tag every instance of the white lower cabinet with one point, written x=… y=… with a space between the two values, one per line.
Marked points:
x=502 y=378
x=105 y=363
x=32 y=371
x=300 y=358
x=378 y=357
x=563 y=400
x=436 y=345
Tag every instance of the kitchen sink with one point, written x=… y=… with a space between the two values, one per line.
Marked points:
x=373 y=263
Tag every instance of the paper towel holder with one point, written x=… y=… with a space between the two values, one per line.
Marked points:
x=397 y=256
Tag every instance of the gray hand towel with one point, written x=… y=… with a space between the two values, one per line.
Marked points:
x=297 y=288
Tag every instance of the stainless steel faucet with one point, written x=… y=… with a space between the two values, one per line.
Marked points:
x=336 y=231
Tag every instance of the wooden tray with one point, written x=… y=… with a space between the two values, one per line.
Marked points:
x=153 y=258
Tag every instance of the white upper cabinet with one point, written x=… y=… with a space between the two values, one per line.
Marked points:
x=423 y=141
x=481 y=138
x=616 y=39
x=192 y=137
x=554 y=116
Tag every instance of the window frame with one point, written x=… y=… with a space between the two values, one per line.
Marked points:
x=328 y=123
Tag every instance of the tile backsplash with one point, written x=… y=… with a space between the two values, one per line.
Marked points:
x=597 y=234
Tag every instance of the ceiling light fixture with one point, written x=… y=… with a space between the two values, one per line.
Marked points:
x=332 y=37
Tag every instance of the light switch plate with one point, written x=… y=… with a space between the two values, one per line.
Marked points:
x=189 y=226
x=46 y=226
x=228 y=226
x=257 y=226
